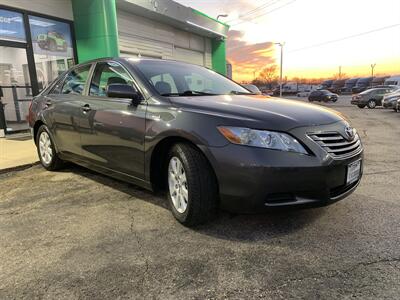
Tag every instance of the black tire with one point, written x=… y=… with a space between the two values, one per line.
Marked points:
x=371 y=104
x=334 y=99
x=55 y=163
x=201 y=186
x=360 y=105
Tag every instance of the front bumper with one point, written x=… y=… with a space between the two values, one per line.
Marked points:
x=389 y=104
x=255 y=179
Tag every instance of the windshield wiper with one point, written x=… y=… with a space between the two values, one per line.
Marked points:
x=240 y=93
x=189 y=93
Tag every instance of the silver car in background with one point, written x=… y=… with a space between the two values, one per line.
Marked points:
x=390 y=100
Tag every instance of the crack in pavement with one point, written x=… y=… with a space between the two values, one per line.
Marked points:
x=335 y=273
x=142 y=253
x=381 y=172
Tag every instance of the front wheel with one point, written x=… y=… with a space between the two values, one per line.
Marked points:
x=371 y=104
x=360 y=105
x=192 y=186
x=46 y=150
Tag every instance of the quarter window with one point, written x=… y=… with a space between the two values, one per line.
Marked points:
x=107 y=73
x=76 y=80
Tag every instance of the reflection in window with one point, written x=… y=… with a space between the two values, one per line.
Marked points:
x=52 y=47
x=75 y=81
x=11 y=26
x=106 y=74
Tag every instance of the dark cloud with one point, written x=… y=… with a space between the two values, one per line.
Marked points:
x=247 y=58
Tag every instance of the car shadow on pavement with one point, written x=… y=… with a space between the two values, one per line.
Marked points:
x=227 y=226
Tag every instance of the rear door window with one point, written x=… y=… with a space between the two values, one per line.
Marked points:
x=75 y=81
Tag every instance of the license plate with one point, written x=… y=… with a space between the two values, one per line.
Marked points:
x=353 y=171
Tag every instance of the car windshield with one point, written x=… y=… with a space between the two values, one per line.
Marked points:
x=177 y=79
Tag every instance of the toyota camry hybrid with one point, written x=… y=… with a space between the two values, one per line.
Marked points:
x=204 y=139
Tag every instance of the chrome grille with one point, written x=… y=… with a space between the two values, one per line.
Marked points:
x=336 y=145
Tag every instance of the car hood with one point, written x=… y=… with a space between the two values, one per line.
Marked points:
x=259 y=111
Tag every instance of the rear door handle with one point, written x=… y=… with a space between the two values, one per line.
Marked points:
x=86 y=108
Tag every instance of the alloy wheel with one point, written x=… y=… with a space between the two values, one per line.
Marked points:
x=178 y=186
x=45 y=149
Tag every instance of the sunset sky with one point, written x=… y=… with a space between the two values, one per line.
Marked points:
x=319 y=35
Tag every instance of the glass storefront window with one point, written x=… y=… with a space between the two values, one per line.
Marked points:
x=52 y=47
x=11 y=26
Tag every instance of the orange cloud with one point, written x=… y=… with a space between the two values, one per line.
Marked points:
x=248 y=58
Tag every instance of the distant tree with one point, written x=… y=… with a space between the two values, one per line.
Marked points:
x=269 y=75
x=338 y=76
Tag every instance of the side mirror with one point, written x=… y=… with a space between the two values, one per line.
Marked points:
x=119 y=90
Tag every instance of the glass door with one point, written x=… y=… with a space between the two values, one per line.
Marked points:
x=15 y=89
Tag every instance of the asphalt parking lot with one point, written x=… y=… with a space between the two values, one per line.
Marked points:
x=76 y=234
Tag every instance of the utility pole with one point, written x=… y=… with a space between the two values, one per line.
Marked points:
x=372 y=69
x=254 y=75
x=340 y=72
x=281 y=68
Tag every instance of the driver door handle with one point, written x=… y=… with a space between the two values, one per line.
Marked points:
x=86 y=108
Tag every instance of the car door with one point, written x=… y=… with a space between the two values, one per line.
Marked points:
x=379 y=96
x=63 y=110
x=112 y=129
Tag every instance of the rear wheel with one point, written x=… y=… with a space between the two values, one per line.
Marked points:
x=192 y=186
x=46 y=150
x=360 y=105
x=371 y=104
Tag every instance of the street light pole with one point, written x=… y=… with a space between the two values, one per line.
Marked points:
x=281 y=68
x=372 y=69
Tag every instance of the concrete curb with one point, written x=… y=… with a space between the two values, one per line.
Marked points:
x=18 y=168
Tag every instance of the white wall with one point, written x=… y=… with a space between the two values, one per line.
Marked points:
x=57 y=8
x=139 y=35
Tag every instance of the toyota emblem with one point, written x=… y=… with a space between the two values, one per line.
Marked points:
x=349 y=132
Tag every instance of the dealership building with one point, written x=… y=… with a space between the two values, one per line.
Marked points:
x=41 y=39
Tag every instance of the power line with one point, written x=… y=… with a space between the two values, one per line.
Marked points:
x=345 y=38
x=265 y=13
x=255 y=10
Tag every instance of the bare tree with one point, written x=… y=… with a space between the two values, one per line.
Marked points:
x=269 y=75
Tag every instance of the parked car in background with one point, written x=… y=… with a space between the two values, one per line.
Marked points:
x=393 y=80
x=322 y=96
x=337 y=86
x=252 y=88
x=303 y=94
x=371 y=97
x=325 y=85
x=204 y=139
x=267 y=92
x=390 y=100
x=378 y=81
x=348 y=85
x=362 y=85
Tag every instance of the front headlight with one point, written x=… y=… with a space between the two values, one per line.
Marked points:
x=262 y=138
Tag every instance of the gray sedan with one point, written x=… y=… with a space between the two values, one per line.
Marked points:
x=204 y=139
